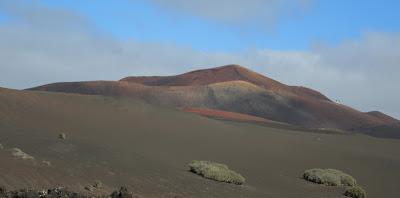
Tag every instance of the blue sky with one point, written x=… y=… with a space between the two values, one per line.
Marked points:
x=321 y=21
x=348 y=50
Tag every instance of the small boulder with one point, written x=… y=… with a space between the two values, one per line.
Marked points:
x=24 y=193
x=3 y=192
x=16 y=152
x=47 y=163
x=90 y=188
x=62 y=136
x=98 y=184
x=123 y=193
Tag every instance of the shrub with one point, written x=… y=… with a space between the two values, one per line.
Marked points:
x=330 y=177
x=355 y=192
x=216 y=171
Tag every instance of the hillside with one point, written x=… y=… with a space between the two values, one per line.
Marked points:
x=146 y=147
x=224 y=74
x=237 y=89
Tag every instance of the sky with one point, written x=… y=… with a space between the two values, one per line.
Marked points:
x=348 y=50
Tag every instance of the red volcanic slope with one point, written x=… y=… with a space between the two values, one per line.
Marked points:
x=318 y=104
x=383 y=117
x=225 y=115
x=273 y=101
x=224 y=74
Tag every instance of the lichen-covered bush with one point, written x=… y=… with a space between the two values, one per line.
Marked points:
x=216 y=171
x=330 y=177
x=355 y=192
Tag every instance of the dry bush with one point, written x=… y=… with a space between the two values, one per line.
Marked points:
x=330 y=177
x=216 y=171
x=355 y=192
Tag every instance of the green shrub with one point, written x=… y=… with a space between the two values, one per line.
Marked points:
x=216 y=171
x=330 y=177
x=355 y=192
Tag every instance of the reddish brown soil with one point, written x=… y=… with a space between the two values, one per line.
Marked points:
x=223 y=74
x=233 y=88
x=225 y=115
x=383 y=117
x=127 y=142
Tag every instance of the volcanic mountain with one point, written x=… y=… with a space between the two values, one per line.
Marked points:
x=233 y=88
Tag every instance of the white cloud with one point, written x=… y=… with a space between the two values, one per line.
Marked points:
x=362 y=73
x=235 y=11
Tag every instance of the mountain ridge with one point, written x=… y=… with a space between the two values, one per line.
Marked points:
x=236 y=89
x=222 y=74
